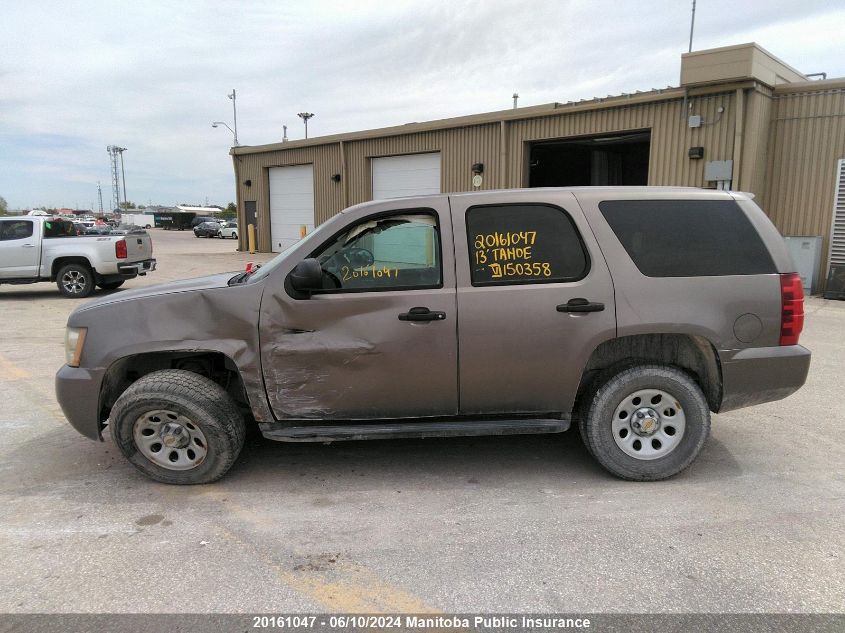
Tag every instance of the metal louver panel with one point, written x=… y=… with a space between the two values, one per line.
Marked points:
x=837 y=232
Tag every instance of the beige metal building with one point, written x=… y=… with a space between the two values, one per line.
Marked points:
x=740 y=119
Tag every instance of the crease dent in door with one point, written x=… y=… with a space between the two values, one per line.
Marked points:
x=316 y=353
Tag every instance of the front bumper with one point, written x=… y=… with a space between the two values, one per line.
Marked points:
x=761 y=374
x=137 y=268
x=78 y=393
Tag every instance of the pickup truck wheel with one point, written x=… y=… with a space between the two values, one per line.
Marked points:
x=647 y=422
x=178 y=427
x=111 y=285
x=75 y=280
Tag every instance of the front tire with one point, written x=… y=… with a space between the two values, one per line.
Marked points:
x=75 y=281
x=646 y=423
x=178 y=427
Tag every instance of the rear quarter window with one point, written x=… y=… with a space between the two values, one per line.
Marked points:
x=688 y=238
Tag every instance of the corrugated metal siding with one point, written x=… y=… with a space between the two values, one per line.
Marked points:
x=671 y=137
x=806 y=139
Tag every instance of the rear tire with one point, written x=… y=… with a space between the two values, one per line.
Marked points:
x=646 y=422
x=75 y=281
x=111 y=285
x=178 y=427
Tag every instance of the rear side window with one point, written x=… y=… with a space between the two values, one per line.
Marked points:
x=688 y=238
x=15 y=229
x=523 y=244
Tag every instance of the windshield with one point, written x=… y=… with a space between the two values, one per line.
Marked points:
x=267 y=268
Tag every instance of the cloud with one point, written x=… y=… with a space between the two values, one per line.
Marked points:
x=152 y=76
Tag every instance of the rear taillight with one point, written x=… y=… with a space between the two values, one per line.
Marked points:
x=120 y=249
x=792 y=308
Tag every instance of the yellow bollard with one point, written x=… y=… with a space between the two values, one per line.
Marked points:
x=250 y=235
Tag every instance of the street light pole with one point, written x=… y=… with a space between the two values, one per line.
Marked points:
x=233 y=97
x=224 y=124
x=305 y=116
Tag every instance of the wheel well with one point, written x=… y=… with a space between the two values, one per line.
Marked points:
x=694 y=354
x=64 y=261
x=214 y=365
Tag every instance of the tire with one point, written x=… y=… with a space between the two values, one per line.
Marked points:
x=111 y=285
x=75 y=281
x=646 y=422
x=219 y=234
x=234 y=236
x=207 y=419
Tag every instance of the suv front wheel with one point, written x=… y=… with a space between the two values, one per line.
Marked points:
x=646 y=423
x=178 y=427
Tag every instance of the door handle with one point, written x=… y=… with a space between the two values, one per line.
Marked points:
x=580 y=305
x=422 y=314
x=27 y=245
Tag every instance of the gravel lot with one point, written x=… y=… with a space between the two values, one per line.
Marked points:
x=455 y=525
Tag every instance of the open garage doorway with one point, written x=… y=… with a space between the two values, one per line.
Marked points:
x=609 y=159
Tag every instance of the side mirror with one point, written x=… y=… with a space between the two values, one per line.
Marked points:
x=306 y=276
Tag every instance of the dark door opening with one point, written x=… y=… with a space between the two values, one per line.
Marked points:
x=619 y=159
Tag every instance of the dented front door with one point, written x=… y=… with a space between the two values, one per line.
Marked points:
x=384 y=344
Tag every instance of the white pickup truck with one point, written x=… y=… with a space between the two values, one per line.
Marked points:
x=34 y=249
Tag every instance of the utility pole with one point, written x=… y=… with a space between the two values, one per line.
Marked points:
x=305 y=116
x=692 y=26
x=234 y=97
x=123 y=176
x=100 y=196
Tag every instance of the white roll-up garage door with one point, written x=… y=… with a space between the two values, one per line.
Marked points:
x=407 y=175
x=291 y=204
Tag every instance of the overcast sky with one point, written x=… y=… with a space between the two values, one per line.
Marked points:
x=151 y=76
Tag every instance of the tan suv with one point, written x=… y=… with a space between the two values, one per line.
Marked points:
x=634 y=312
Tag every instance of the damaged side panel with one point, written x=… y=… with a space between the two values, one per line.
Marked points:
x=347 y=355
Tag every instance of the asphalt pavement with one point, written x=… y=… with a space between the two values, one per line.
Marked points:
x=451 y=525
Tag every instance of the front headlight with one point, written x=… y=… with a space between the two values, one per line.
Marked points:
x=74 y=340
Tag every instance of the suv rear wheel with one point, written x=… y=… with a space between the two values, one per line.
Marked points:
x=178 y=427
x=646 y=422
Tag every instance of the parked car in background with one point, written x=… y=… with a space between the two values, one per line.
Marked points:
x=99 y=229
x=207 y=229
x=628 y=312
x=34 y=249
x=202 y=218
x=228 y=229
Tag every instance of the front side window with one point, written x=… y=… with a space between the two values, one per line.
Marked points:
x=394 y=252
x=15 y=229
x=524 y=244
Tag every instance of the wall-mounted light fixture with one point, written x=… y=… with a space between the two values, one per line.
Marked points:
x=335 y=177
x=477 y=170
x=247 y=183
x=696 y=152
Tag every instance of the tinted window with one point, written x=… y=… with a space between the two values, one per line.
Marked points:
x=15 y=229
x=688 y=238
x=399 y=251
x=518 y=244
x=58 y=228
